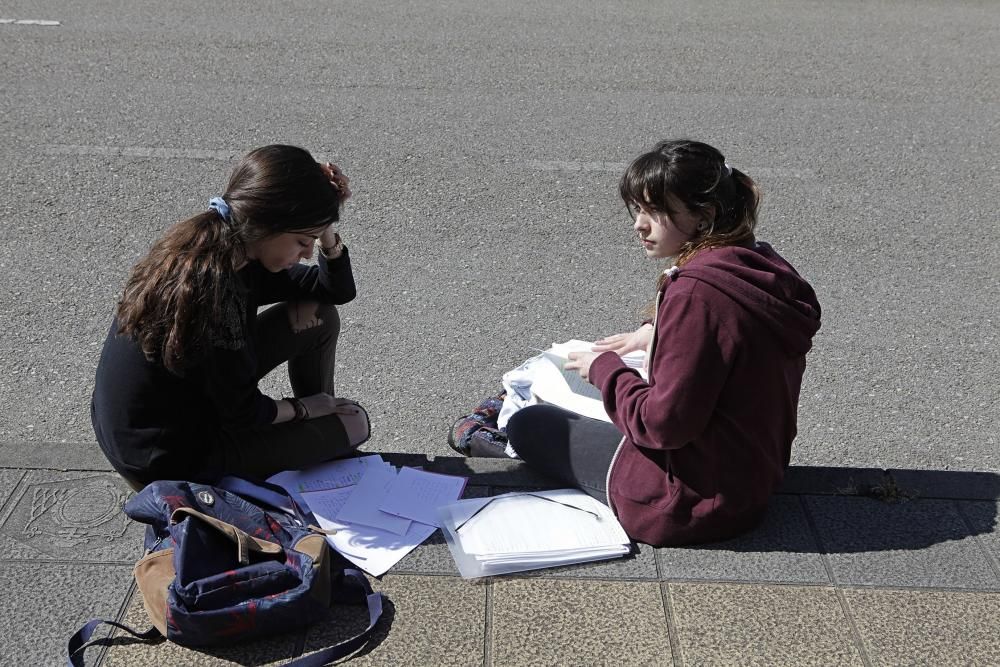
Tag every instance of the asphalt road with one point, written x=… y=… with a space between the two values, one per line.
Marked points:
x=484 y=142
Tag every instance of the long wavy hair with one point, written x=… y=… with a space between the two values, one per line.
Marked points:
x=175 y=295
x=696 y=175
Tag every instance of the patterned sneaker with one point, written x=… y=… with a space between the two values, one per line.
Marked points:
x=464 y=428
x=489 y=443
x=461 y=430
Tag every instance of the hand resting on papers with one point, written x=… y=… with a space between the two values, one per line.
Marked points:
x=623 y=343
x=580 y=362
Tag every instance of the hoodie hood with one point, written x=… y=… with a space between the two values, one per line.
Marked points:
x=766 y=285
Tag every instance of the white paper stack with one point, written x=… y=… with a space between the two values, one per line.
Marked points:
x=543 y=379
x=527 y=531
x=380 y=513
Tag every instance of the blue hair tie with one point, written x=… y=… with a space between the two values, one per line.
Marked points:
x=219 y=205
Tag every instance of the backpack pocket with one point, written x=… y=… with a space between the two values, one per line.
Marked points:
x=233 y=587
x=153 y=575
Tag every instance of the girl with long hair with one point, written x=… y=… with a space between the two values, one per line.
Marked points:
x=176 y=393
x=693 y=452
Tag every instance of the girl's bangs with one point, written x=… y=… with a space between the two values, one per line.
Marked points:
x=645 y=182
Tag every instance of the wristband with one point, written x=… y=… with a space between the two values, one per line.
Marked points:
x=334 y=251
x=301 y=413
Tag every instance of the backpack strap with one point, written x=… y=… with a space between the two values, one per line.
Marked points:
x=81 y=640
x=349 y=646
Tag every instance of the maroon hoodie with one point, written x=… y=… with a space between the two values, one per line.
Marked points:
x=708 y=438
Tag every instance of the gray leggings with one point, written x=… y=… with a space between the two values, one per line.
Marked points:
x=304 y=335
x=567 y=447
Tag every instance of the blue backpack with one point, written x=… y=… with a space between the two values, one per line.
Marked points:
x=220 y=569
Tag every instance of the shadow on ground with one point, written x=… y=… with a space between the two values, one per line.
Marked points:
x=817 y=509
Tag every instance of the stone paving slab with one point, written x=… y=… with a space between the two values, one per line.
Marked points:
x=828 y=480
x=726 y=624
x=948 y=484
x=982 y=517
x=781 y=549
x=927 y=627
x=43 y=604
x=922 y=543
x=429 y=621
x=69 y=516
x=54 y=455
x=549 y=622
x=8 y=481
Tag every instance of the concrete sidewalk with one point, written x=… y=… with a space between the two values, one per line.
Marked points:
x=852 y=566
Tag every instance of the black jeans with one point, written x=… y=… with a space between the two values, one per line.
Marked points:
x=568 y=447
x=305 y=335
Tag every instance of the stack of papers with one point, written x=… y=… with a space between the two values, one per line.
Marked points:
x=380 y=513
x=544 y=379
x=527 y=531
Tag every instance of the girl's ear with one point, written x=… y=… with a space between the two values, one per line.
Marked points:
x=706 y=218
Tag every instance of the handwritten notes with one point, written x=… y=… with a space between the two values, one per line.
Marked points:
x=379 y=513
x=416 y=494
x=363 y=504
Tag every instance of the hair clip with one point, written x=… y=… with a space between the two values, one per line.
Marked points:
x=729 y=168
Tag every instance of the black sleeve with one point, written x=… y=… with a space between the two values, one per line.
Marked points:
x=330 y=281
x=231 y=384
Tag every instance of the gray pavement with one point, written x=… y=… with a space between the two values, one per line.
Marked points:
x=851 y=566
x=484 y=141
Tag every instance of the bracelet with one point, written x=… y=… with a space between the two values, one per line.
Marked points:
x=301 y=412
x=337 y=249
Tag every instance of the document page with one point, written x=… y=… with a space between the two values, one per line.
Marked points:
x=329 y=475
x=362 y=505
x=417 y=494
x=371 y=549
x=550 y=386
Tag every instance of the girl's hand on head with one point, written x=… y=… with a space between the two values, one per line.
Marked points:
x=623 y=343
x=338 y=179
x=580 y=362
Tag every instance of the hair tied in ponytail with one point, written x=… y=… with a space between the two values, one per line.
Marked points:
x=219 y=205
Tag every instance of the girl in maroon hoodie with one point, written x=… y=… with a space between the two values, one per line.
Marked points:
x=695 y=452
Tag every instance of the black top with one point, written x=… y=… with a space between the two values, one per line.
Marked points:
x=146 y=418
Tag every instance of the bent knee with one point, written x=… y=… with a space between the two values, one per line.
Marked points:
x=305 y=315
x=357 y=426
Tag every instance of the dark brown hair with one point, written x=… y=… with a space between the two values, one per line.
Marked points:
x=176 y=294
x=696 y=175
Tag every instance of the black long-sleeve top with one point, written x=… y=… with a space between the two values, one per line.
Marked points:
x=152 y=423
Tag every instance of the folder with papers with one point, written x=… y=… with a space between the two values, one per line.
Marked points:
x=531 y=530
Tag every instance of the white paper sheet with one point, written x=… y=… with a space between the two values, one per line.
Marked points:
x=417 y=494
x=329 y=475
x=362 y=506
x=550 y=386
x=372 y=550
